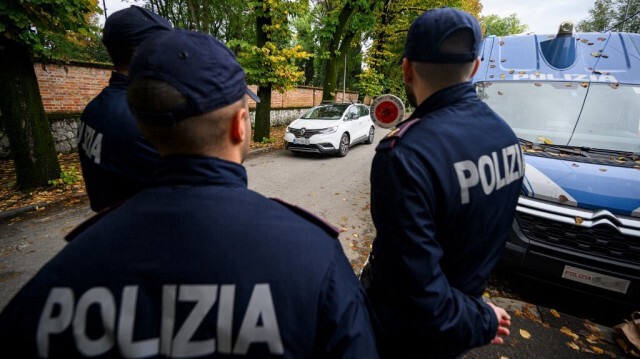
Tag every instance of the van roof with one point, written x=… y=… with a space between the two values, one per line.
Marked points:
x=610 y=57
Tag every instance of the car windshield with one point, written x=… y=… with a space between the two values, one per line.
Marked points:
x=332 y=112
x=604 y=116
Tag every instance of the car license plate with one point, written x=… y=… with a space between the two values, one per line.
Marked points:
x=595 y=279
x=301 y=141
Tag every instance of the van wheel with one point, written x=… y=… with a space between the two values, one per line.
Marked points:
x=344 y=145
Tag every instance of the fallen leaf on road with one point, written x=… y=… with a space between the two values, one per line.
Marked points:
x=525 y=334
x=597 y=350
x=573 y=345
x=555 y=313
x=313 y=194
x=567 y=331
x=486 y=294
x=355 y=235
x=344 y=219
x=504 y=357
x=592 y=339
x=343 y=229
x=337 y=193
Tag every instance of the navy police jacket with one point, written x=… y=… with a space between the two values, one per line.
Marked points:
x=194 y=266
x=444 y=189
x=116 y=160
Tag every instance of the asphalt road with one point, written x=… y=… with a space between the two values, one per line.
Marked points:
x=335 y=189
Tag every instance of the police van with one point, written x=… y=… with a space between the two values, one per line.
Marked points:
x=573 y=99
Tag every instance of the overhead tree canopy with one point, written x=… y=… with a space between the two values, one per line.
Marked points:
x=502 y=26
x=611 y=15
x=393 y=18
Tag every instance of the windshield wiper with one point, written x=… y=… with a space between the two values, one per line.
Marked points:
x=554 y=148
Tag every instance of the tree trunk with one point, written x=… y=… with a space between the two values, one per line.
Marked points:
x=263 y=114
x=330 y=73
x=263 y=109
x=24 y=119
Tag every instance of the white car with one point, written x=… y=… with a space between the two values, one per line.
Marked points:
x=330 y=129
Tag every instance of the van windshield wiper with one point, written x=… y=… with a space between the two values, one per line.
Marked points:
x=559 y=149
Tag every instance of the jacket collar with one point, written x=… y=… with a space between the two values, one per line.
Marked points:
x=118 y=80
x=444 y=98
x=198 y=170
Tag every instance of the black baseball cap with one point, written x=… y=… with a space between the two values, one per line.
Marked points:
x=431 y=28
x=131 y=26
x=198 y=65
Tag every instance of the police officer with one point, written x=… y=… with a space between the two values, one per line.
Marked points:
x=444 y=190
x=116 y=160
x=195 y=265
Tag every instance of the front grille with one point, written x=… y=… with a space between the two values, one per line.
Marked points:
x=307 y=134
x=601 y=240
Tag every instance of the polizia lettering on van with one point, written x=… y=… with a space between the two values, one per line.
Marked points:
x=566 y=77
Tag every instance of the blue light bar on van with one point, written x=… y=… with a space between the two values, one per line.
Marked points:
x=560 y=52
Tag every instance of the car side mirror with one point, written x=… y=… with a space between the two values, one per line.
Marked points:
x=353 y=116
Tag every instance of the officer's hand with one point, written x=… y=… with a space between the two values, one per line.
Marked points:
x=504 y=321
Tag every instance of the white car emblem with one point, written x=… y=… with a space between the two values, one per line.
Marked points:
x=303 y=131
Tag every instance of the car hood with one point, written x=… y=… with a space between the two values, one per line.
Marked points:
x=584 y=185
x=313 y=124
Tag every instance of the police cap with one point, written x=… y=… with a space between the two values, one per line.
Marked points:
x=431 y=28
x=131 y=26
x=198 y=65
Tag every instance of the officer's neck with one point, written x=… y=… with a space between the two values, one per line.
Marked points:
x=425 y=91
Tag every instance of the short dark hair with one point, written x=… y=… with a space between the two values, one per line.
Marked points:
x=194 y=135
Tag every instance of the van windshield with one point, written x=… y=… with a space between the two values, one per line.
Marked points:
x=604 y=116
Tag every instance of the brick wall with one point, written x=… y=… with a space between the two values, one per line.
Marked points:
x=68 y=89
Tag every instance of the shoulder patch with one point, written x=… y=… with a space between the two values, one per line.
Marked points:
x=389 y=141
x=89 y=222
x=329 y=229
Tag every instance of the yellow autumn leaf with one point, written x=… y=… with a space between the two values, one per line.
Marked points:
x=597 y=350
x=486 y=294
x=573 y=346
x=553 y=311
x=356 y=235
x=545 y=140
x=344 y=219
x=525 y=334
x=567 y=331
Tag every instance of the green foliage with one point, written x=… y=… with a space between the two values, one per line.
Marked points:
x=22 y=20
x=224 y=19
x=502 y=26
x=393 y=18
x=610 y=14
x=266 y=141
x=67 y=177
x=273 y=63
x=270 y=64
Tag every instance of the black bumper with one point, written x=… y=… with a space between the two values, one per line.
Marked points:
x=546 y=262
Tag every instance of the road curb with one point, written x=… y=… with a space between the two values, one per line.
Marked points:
x=22 y=210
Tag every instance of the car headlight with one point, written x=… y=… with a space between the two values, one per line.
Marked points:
x=326 y=131
x=288 y=130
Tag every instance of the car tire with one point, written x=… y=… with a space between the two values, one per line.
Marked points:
x=369 y=139
x=344 y=145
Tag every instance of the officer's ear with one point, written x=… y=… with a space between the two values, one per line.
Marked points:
x=476 y=65
x=239 y=131
x=407 y=71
